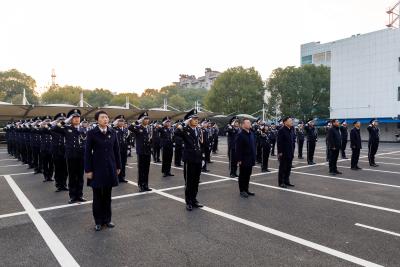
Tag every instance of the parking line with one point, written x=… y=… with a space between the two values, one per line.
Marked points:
x=383 y=163
x=346 y=179
x=14 y=165
x=377 y=229
x=7 y=159
x=274 y=232
x=59 y=251
x=12 y=214
x=374 y=170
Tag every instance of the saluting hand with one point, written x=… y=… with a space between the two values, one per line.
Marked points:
x=89 y=175
x=118 y=171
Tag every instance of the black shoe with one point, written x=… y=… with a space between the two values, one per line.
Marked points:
x=265 y=170
x=123 y=181
x=189 y=207
x=170 y=174
x=250 y=193
x=374 y=165
x=358 y=168
x=338 y=172
x=141 y=189
x=289 y=184
x=205 y=170
x=244 y=194
x=59 y=190
x=197 y=205
x=345 y=157
x=283 y=186
x=110 y=225
x=233 y=176
x=50 y=179
x=64 y=188
x=148 y=189
x=81 y=199
x=97 y=227
x=332 y=173
x=71 y=201
x=354 y=169
x=165 y=175
x=301 y=158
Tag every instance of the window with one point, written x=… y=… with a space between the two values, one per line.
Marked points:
x=398 y=93
x=306 y=60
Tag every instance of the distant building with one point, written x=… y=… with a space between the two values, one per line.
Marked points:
x=365 y=77
x=205 y=82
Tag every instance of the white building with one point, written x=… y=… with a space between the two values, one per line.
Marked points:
x=365 y=75
x=205 y=82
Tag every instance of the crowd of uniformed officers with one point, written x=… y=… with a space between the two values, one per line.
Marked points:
x=67 y=146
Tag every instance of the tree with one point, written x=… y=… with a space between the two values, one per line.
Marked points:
x=67 y=94
x=120 y=99
x=98 y=97
x=12 y=85
x=236 y=90
x=178 y=102
x=300 y=92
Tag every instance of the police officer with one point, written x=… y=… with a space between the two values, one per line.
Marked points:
x=122 y=137
x=74 y=152
x=355 y=144
x=285 y=152
x=192 y=157
x=143 y=136
x=312 y=138
x=233 y=130
x=46 y=153
x=373 y=141
x=58 y=153
x=167 y=146
x=36 y=141
x=102 y=166
x=274 y=133
x=156 y=141
x=344 y=133
x=178 y=146
x=300 y=139
x=205 y=145
x=265 y=147
x=215 y=134
x=334 y=145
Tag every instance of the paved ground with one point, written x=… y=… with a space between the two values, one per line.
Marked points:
x=346 y=220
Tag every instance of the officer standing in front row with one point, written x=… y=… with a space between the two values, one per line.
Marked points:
x=373 y=142
x=102 y=166
x=192 y=157
x=74 y=150
x=143 y=138
x=167 y=146
x=334 y=143
x=122 y=137
x=355 y=144
x=312 y=138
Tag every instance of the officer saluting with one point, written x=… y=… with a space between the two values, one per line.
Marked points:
x=74 y=153
x=167 y=146
x=312 y=138
x=192 y=139
x=58 y=153
x=355 y=143
x=143 y=135
x=122 y=137
x=373 y=142
x=233 y=131
x=300 y=139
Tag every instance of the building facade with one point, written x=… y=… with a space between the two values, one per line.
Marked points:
x=365 y=76
x=204 y=82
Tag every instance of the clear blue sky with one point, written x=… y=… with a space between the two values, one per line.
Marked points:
x=129 y=46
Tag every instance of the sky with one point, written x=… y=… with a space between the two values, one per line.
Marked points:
x=131 y=45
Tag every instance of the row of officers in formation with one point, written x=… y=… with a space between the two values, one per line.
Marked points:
x=65 y=147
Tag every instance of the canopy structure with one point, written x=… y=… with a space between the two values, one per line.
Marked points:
x=9 y=112
x=321 y=122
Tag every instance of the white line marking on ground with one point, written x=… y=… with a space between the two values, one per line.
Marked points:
x=12 y=214
x=347 y=179
x=16 y=174
x=274 y=232
x=59 y=251
x=375 y=170
x=7 y=159
x=377 y=229
x=14 y=165
x=386 y=157
x=383 y=163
